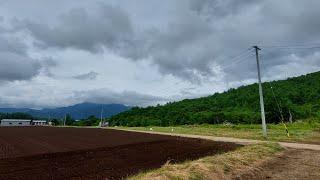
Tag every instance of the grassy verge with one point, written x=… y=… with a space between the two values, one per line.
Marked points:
x=222 y=166
x=303 y=131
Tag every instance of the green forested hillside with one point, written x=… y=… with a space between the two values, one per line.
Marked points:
x=299 y=95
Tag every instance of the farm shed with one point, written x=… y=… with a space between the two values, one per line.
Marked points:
x=15 y=122
x=39 y=122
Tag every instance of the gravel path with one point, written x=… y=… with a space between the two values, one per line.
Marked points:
x=236 y=140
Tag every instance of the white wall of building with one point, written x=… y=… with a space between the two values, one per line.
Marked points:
x=39 y=123
x=15 y=122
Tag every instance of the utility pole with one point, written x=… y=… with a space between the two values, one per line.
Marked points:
x=101 y=117
x=263 y=117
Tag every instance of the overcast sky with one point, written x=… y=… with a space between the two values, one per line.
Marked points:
x=63 y=52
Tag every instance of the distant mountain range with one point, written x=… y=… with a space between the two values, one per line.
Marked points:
x=78 y=111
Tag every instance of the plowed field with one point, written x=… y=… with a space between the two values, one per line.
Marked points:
x=87 y=153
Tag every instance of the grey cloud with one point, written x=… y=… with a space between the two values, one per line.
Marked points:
x=16 y=67
x=310 y=63
x=195 y=42
x=179 y=50
x=14 y=62
x=46 y=65
x=173 y=51
x=107 y=96
x=190 y=43
x=220 y=8
x=12 y=45
x=108 y=26
x=40 y=99
x=87 y=76
x=264 y=23
x=49 y=62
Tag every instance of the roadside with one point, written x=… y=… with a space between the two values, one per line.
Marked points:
x=233 y=140
x=291 y=164
x=305 y=131
x=258 y=160
x=222 y=166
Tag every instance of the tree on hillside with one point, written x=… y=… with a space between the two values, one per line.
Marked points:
x=299 y=96
x=69 y=120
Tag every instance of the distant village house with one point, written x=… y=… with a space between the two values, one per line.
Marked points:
x=22 y=122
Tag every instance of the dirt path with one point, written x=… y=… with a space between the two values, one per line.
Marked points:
x=299 y=161
x=236 y=140
x=292 y=164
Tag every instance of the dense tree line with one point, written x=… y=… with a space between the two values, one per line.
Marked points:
x=90 y=121
x=298 y=96
x=17 y=115
x=69 y=121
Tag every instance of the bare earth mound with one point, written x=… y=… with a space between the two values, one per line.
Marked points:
x=79 y=153
x=292 y=164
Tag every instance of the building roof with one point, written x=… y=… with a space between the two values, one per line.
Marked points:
x=20 y=120
x=39 y=121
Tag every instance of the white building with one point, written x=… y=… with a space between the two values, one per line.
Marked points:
x=39 y=122
x=15 y=122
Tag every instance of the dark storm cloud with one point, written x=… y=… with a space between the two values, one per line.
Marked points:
x=12 y=45
x=108 y=96
x=47 y=64
x=174 y=51
x=189 y=44
x=240 y=24
x=16 y=67
x=14 y=63
x=2 y=29
x=220 y=8
x=108 y=26
x=193 y=40
x=87 y=76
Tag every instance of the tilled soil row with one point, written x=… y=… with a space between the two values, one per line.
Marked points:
x=115 y=155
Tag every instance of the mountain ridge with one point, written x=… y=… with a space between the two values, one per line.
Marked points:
x=296 y=96
x=77 y=111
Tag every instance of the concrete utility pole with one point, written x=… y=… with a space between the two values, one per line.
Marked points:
x=263 y=117
x=101 y=117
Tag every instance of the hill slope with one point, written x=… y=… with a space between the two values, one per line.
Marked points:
x=78 y=111
x=298 y=95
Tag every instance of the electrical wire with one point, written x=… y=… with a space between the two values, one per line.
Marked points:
x=236 y=62
x=296 y=46
x=237 y=57
x=280 y=109
x=243 y=55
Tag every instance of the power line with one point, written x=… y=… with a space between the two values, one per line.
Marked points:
x=295 y=46
x=243 y=55
x=236 y=62
x=279 y=109
x=237 y=57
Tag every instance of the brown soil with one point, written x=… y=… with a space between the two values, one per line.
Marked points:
x=78 y=153
x=292 y=164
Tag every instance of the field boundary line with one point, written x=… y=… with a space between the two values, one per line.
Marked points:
x=230 y=139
